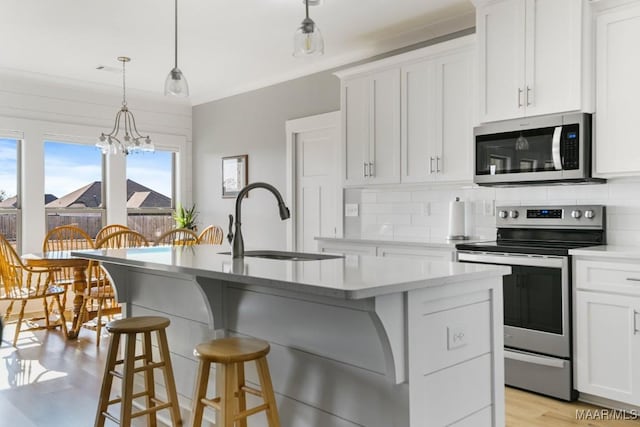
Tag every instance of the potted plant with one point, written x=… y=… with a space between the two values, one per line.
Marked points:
x=185 y=218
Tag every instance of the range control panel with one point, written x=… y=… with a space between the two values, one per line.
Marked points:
x=578 y=216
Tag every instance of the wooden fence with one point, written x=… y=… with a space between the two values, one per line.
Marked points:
x=149 y=225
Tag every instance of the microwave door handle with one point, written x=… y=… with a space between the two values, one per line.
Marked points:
x=555 y=148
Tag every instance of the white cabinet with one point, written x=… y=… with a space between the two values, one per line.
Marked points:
x=391 y=249
x=530 y=57
x=437 y=118
x=617 y=91
x=424 y=254
x=371 y=117
x=409 y=118
x=608 y=329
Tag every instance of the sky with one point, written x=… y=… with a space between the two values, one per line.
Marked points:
x=72 y=166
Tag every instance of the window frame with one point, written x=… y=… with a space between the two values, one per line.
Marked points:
x=17 y=211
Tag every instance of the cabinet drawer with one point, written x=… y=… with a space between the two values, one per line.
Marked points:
x=449 y=337
x=347 y=249
x=450 y=395
x=417 y=253
x=608 y=276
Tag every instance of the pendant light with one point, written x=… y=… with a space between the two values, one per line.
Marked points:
x=131 y=141
x=307 y=40
x=176 y=83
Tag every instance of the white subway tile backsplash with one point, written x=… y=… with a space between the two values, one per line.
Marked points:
x=393 y=196
x=422 y=212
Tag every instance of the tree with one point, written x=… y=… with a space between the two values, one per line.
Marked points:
x=3 y=195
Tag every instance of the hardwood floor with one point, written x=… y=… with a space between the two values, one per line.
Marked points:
x=50 y=382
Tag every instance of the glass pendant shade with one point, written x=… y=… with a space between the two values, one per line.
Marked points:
x=176 y=84
x=308 y=40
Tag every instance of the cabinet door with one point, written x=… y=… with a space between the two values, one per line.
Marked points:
x=355 y=119
x=454 y=114
x=384 y=116
x=419 y=122
x=608 y=346
x=553 y=56
x=501 y=54
x=617 y=91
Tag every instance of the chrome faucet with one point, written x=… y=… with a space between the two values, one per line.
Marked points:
x=237 y=243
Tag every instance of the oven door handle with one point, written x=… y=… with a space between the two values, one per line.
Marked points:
x=538 y=360
x=527 y=261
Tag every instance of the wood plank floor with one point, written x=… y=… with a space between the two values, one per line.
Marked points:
x=50 y=382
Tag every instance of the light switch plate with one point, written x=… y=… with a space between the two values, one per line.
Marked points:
x=456 y=337
x=350 y=209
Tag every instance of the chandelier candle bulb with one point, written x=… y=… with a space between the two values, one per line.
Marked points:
x=456 y=220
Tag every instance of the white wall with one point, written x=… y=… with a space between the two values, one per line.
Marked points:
x=34 y=108
x=420 y=213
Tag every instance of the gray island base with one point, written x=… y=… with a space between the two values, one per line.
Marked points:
x=355 y=341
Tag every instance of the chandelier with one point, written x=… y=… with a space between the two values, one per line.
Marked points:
x=132 y=141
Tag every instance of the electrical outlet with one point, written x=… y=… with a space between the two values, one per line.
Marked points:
x=489 y=207
x=456 y=337
x=350 y=209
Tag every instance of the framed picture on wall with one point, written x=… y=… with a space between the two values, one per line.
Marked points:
x=234 y=175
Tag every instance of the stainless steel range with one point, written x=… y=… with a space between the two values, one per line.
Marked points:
x=535 y=242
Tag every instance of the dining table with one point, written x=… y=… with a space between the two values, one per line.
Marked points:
x=63 y=259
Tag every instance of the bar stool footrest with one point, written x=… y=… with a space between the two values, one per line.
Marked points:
x=212 y=403
x=252 y=390
x=147 y=411
x=251 y=411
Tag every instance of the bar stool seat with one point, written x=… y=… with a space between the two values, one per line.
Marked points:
x=130 y=327
x=231 y=354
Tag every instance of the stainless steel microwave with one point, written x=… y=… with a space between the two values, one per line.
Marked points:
x=536 y=150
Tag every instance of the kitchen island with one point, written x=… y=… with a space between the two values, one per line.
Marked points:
x=355 y=341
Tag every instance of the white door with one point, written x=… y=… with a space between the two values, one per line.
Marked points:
x=554 y=56
x=501 y=44
x=317 y=207
x=608 y=346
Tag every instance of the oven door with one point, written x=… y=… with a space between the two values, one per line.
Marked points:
x=536 y=301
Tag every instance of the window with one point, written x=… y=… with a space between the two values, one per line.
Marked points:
x=150 y=192
x=73 y=186
x=9 y=191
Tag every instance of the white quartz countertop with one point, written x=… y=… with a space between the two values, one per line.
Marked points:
x=429 y=243
x=608 y=251
x=351 y=277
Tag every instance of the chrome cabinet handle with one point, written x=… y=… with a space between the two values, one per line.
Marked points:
x=430 y=164
x=372 y=170
x=635 y=326
x=366 y=175
x=633 y=279
x=528 y=97
x=438 y=165
x=520 y=98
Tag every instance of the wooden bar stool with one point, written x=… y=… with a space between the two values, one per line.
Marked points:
x=231 y=354
x=130 y=328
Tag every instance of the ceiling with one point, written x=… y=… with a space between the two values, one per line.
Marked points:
x=225 y=46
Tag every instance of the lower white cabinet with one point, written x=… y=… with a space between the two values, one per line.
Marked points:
x=391 y=249
x=608 y=330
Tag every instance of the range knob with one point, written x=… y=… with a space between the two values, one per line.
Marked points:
x=503 y=214
x=589 y=214
x=514 y=214
x=576 y=214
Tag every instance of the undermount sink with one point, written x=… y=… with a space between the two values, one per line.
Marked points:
x=287 y=256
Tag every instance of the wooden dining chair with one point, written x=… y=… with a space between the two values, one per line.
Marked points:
x=99 y=295
x=66 y=238
x=177 y=237
x=23 y=283
x=212 y=235
x=109 y=229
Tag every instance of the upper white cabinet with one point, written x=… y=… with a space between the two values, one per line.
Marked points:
x=531 y=58
x=437 y=118
x=617 y=90
x=409 y=118
x=371 y=128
